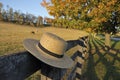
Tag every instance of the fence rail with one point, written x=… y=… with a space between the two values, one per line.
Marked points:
x=19 y=66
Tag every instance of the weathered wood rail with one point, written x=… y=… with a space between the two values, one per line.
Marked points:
x=21 y=65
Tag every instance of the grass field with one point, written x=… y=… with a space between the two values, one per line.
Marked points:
x=101 y=64
x=12 y=35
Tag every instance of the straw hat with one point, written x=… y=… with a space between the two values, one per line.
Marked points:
x=50 y=50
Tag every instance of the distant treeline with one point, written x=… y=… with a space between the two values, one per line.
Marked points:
x=18 y=17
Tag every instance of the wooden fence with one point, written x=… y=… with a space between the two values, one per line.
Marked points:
x=19 y=66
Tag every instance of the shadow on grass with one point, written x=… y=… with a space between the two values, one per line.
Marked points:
x=105 y=66
x=90 y=73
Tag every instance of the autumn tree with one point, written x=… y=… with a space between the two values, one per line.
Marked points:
x=97 y=15
x=54 y=9
x=104 y=17
x=66 y=12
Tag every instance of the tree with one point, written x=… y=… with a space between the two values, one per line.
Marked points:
x=1 y=5
x=4 y=15
x=97 y=15
x=10 y=14
x=33 y=20
x=21 y=19
x=16 y=16
x=105 y=14
x=39 y=21
x=53 y=10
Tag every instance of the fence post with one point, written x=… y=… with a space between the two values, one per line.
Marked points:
x=81 y=53
x=18 y=66
x=51 y=73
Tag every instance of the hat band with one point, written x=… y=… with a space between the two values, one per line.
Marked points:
x=49 y=52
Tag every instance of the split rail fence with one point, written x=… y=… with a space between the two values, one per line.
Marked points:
x=19 y=66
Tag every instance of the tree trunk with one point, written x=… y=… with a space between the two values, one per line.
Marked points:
x=107 y=39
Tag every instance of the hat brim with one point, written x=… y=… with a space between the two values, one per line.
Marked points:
x=31 y=46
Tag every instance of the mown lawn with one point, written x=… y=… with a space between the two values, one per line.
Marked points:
x=102 y=63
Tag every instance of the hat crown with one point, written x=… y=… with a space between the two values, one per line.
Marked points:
x=53 y=43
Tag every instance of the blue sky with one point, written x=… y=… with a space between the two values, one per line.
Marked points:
x=30 y=6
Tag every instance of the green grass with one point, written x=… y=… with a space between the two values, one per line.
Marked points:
x=115 y=44
x=102 y=64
